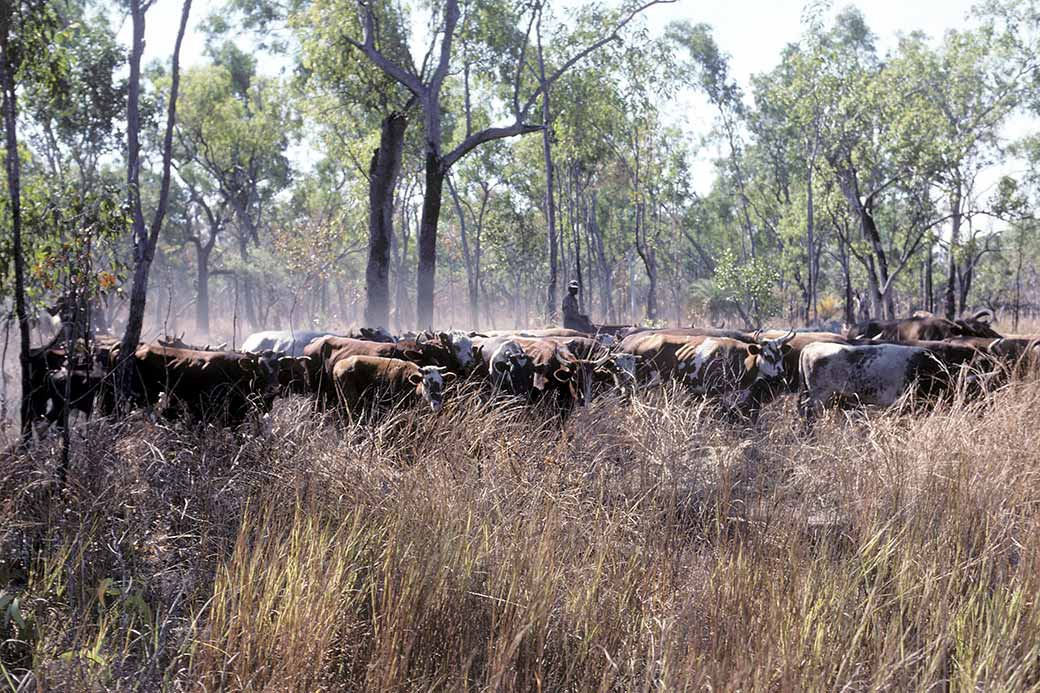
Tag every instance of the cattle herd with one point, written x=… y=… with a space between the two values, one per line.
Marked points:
x=366 y=371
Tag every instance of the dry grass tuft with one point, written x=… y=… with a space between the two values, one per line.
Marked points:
x=488 y=547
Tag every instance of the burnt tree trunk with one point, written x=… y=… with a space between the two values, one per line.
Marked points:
x=382 y=179
x=431 y=213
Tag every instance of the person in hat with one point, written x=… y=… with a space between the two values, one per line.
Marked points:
x=572 y=318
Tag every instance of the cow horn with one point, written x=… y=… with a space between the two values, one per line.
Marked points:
x=787 y=337
x=981 y=314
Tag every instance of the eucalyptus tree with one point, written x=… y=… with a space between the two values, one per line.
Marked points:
x=73 y=123
x=349 y=97
x=231 y=140
x=426 y=83
x=708 y=70
x=971 y=84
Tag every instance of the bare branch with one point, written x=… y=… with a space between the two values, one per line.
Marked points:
x=451 y=19
x=486 y=135
x=612 y=36
x=407 y=79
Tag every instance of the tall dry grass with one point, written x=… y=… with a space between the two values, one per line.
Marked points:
x=637 y=547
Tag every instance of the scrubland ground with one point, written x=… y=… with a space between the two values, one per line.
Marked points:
x=640 y=546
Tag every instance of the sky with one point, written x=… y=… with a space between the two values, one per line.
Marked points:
x=753 y=34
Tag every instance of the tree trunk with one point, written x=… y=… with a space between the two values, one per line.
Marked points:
x=950 y=298
x=14 y=190
x=929 y=288
x=202 y=289
x=810 y=241
x=431 y=213
x=550 y=209
x=850 y=307
x=382 y=179
x=577 y=247
x=606 y=286
x=145 y=240
x=472 y=288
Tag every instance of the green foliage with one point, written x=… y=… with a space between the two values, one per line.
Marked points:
x=749 y=284
x=72 y=239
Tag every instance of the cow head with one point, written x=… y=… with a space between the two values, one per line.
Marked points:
x=512 y=369
x=429 y=384
x=466 y=355
x=978 y=325
x=620 y=368
x=293 y=375
x=263 y=371
x=766 y=358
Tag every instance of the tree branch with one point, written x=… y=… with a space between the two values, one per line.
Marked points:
x=486 y=135
x=613 y=35
x=407 y=79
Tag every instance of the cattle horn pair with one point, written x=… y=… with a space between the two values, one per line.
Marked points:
x=984 y=315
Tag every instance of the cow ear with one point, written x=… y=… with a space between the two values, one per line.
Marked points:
x=785 y=349
x=445 y=337
x=415 y=378
x=753 y=349
x=562 y=374
x=448 y=377
x=412 y=354
x=501 y=366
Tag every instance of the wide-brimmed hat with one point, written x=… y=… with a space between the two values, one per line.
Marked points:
x=573 y=284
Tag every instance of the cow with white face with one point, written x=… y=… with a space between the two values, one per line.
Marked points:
x=744 y=374
x=454 y=349
x=717 y=365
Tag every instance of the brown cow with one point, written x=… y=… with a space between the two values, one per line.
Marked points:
x=323 y=353
x=657 y=354
x=923 y=326
x=225 y=386
x=372 y=382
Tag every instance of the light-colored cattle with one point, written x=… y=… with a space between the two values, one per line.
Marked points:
x=290 y=343
x=866 y=375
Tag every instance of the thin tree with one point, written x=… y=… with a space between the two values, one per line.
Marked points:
x=145 y=238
